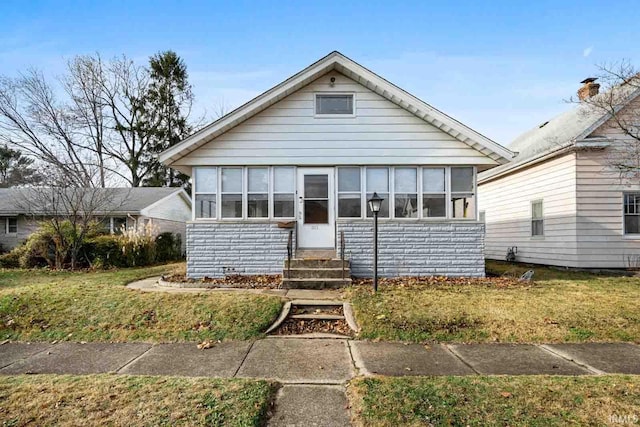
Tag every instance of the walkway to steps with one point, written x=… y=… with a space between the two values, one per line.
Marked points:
x=315 y=372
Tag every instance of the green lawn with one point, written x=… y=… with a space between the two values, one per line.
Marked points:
x=132 y=401
x=559 y=306
x=496 y=401
x=95 y=306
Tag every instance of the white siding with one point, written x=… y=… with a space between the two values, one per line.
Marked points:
x=380 y=133
x=507 y=205
x=174 y=208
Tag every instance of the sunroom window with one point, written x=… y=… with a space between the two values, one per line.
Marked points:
x=463 y=204
x=405 y=185
x=349 y=193
x=258 y=193
x=334 y=104
x=434 y=196
x=378 y=182
x=231 y=194
x=283 y=192
x=206 y=187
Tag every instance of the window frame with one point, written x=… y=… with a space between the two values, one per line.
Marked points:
x=7 y=225
x=541 y=218
x=334 y=116
x=248 y=192
x=338 y=192
x=624 y=215
x=273 y=192
x=451 y=193
x=243 y=193
x=195 y=193
x=445 y=193
x=388 y=194
x=392 y=193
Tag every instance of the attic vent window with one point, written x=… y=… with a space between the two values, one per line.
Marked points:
x=334 y=105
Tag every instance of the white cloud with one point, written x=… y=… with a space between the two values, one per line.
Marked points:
x=587 y=51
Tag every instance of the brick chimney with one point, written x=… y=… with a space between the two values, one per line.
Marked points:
x=589 y=88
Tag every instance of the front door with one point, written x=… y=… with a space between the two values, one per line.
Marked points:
x=316 y=227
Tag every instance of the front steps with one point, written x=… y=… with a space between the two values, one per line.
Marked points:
x=316 y=273
x=315 y=318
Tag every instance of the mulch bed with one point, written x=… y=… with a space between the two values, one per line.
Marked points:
x=265 y=281
x=438 y=281
x=299 y=326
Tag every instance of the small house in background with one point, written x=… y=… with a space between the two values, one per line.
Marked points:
x=167 y=209
x=309 y=153
x=560 y=202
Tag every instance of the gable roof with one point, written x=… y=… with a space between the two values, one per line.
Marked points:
x=122 y=201
x=573 y=128
x=337 y=61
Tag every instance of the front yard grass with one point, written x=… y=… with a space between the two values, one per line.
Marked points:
x=496 y=401
x=559 y=306
x=133 y=401
x=95 y=306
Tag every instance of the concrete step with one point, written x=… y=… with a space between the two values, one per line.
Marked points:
x=314 y=283
x=316 y=302
x=316 y=273
x=318 y=316
x=317 y=263
x=315 y=253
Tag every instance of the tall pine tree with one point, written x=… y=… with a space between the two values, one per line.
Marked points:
x=170 y=98
x=16 y=169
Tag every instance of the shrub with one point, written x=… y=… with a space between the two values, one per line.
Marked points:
x=11 y=259
x=104 y=251
x=38 y=250
x=138 y=245
x=168 y=247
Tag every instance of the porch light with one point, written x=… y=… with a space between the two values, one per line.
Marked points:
x=375 y=203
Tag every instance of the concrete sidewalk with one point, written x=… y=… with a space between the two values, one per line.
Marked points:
x=318 y=361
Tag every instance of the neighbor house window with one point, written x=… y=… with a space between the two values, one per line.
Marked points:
x=632 y=213
x=378 y=182
x=206 y=187
x=349 y=193
x=334 y=104
x=258 y=193
x=462 y=193
x=537 y=218
x=11 y=225
x=118 y=224
x=283 y=192
x=231 y=192
x=434 y=196
x=405 y=186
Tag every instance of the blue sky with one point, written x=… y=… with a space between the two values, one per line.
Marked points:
x=500 y=67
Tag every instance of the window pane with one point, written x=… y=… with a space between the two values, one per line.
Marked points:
x=316 y=186
x=632 y=224
x=406 y=205
x=405 y=180
x=461 y=179
x=13 y=225
x=349 y=179
x=119 y=223
x=536 y=210
x=205 y=205
x=334 y=104
x=316 y=211
x=258 y=205
x=482 y=216
x=231 y=180
x=631 y=203
x=231 y=205
x=206 y=179
x=434 y=206
x=283 y=180
x=384 y=209
x=537 y=227
x=283 y=205
x=463 y=206
x=433 y=180
x=258 y=180
x=377 y=180
x=349 y=205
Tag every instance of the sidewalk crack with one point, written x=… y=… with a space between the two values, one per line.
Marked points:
x=134 y=359
x=235 y=374
x=460 y=358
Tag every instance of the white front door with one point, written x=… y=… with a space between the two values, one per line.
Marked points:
x=316 y=228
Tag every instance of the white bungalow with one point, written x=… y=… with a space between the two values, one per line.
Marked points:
x=309 y=152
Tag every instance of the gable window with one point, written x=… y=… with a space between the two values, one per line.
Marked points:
x=231 y=192
x=632 y=213
x=11 y=225
x=378 y=182
x=405 y=186
x=283 y=192
x=349 y=193
x=334 y=104
x=537 y=218
x=434 y=196
x=258 y=193
x=462 y=193
x=206 y=187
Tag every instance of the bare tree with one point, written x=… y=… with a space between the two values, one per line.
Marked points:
x=616 y=98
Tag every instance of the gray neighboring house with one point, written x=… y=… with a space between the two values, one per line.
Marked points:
x=167 y=209
x=309 y=153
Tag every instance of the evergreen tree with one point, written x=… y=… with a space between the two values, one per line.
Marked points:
x=169 y=98
x=16 y=169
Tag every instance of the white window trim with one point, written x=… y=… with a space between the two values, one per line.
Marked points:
x=451 y=193
x=629 y=236
x=6 y=226
x=338 y=192
x=392 y=194
x=537 y=236
x=272 y=194
x=243 y=194
x=248 y=193
x=195 y=192
x=445 y=193
x=334 y=116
